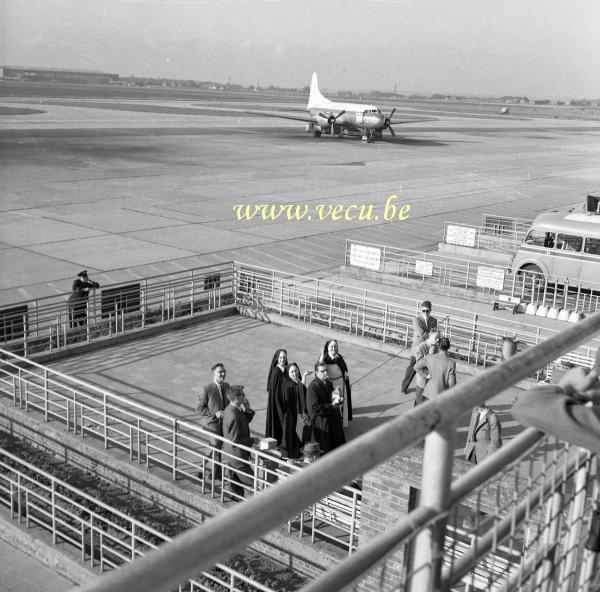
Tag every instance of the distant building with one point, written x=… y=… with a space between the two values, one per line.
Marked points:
x=57 y=75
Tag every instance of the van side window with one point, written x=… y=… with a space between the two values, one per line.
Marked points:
x=592 y=246
x=540 y=238
x=569 y=242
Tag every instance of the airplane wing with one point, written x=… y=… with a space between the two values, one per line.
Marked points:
x=414 y=120
x=306 y=118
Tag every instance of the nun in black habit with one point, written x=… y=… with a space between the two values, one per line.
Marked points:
x=275 y=386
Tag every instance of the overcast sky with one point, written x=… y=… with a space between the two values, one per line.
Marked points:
x=535 y=48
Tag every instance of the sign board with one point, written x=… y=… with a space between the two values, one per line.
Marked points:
x=424 y=267
x=490 y=277
x=367 y=257
x=461 y=235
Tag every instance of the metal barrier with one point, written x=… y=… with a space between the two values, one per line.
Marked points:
x=475 y=276
x=477 y=339
x=104 y=536
x=551 y=539
x=493 y=238
x=178 y=446
x=498 y=223
x=49 y=324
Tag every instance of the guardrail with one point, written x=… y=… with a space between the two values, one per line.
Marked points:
x=498 y=223
x=475 y=338
x=474 y=276
x=493 y=238
x=104 y=536
x=551 y=539
x=49 y=324
x=176 y=445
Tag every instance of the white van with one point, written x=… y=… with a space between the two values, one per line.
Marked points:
x=563 y=246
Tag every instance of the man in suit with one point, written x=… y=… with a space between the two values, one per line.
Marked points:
x=440 y=369
x=429 y=346
x=212 y=402
x=484 y=435
x=323 y=406
x=423 y=324
x=236 y=428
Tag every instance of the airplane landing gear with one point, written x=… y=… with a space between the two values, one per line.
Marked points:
x=368 y=139
x=317 y=134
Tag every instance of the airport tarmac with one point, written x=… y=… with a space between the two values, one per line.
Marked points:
x=129 y=194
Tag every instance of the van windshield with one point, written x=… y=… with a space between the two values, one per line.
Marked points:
x=540 y=238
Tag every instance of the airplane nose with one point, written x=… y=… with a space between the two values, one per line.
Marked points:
x=374 y=120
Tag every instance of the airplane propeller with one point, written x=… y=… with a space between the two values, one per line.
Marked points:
x=387 y=123
x=331 y=119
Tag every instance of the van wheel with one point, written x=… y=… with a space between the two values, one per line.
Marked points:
x=530 y=268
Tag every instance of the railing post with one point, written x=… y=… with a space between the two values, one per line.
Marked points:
x=385 y=316
x=87 y=320
x=545 y=576
x=428 y=551
x=576 y=517
x=46 y=394
x=53 y=494
x=174 y=450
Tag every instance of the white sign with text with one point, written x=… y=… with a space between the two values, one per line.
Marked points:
x=460 y=235
x=367 y=257
x=424 y=267
x=489 y=277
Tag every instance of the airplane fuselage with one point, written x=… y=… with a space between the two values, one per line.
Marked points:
x=355 y=116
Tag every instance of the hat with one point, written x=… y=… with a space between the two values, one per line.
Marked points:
x=82 y=273
x=311 y=448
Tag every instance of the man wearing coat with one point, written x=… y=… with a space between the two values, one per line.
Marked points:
x=323 y=407
x=236 y=428
x=429 y=346
x=212 y=402
x=484 y=435
x=423 y=324
x=440 y=369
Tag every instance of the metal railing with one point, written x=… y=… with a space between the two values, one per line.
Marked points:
x=49 y=324
x=478 y=277
x=476 y=338
x=104 y=536
x=498 y=223
x=493 y=238
x=551 y=539
x=176 y=445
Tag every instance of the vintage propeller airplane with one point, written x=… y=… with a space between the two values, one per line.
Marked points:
x=336 y=117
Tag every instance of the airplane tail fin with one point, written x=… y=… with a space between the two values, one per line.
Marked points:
x=315 y=98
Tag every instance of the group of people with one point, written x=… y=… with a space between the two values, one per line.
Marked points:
x=303 y=419
x=319 y=411
x=435 y=372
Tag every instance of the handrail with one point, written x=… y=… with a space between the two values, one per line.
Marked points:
x=76 y=497
x=368 y=554
x=232 y=530
x=186 y=445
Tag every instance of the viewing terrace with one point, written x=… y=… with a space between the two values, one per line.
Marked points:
x=516 y=521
